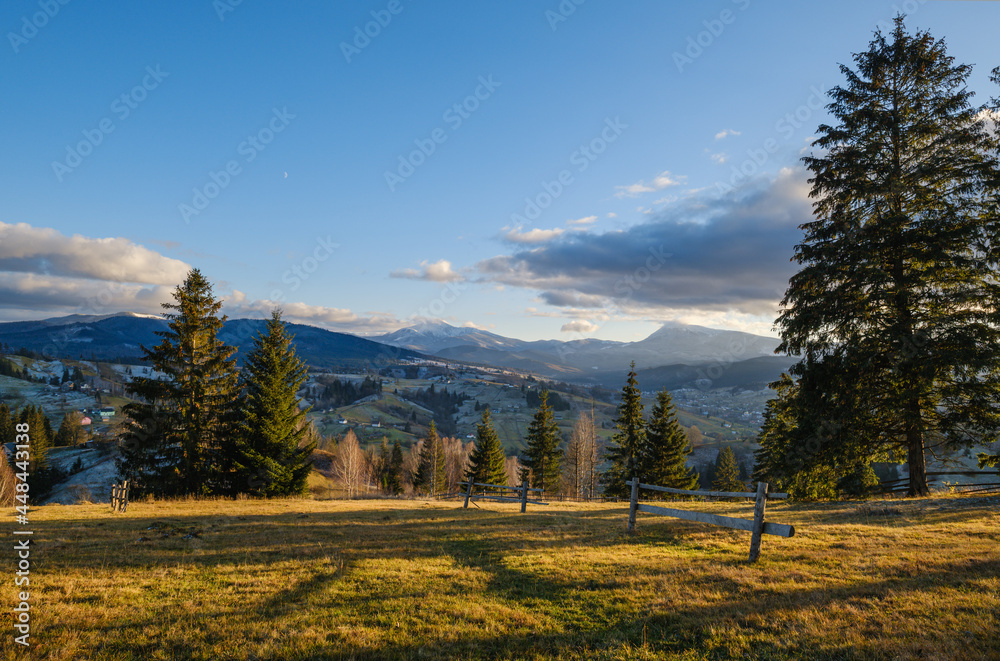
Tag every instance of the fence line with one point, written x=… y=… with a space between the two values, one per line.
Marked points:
x=119 y=497
x=518 y=494
x=757 y=527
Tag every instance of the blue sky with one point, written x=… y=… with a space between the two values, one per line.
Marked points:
x=542 y=169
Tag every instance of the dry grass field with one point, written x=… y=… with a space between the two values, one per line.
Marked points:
x=394 y=579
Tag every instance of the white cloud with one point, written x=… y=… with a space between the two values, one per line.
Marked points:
x=337 y=319
x=40 y=250
x=439 y=271
x=726 y=132
x=659 y=182
x=532 y=236
x=719 y=158
x=579 y=326
x=589 y=220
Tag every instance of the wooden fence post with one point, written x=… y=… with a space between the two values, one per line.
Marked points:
x=758 y=521
x=633 y=504
x=524 y=495
x=125 y=496
x=468 y=494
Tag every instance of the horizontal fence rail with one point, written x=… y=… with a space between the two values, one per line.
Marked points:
x=517 y=494
x=757 y=527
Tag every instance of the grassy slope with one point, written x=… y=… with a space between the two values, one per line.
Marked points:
x=301 y=579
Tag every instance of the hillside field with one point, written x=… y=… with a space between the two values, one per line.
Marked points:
x=398 y=579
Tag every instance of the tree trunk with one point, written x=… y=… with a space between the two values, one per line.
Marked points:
x=915 y=458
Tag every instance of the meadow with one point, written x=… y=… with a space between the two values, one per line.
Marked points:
x=418 y=579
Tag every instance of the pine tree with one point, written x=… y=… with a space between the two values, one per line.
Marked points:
x=727 y=472
x=430 y=477
x=6 y=424
x=71 y=432
x=181 y=430
x=271 y=458
x=626 y=446
x=542 y=456
x=667 y=448
x=394 y=481
x=488 y=462
x=898 y=287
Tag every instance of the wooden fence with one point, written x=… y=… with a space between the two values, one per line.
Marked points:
x=758 y=527
x=504 y=494
x=119 y=497
x=902 y=485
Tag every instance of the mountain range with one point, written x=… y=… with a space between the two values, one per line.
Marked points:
x=674 y=356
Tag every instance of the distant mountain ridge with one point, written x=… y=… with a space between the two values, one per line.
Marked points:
x=675 y=354
x=119 y=336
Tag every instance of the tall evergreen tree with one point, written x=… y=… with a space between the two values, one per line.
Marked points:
x=71 y=432
x=394 y=481
x=667 y=448
x=727 y=472
x=271 y=458
x=897 y=294
x=180 y=433
x=542 y=456
x=625 y=450
x=6 y=424
x=488 y=462
x=430 y=477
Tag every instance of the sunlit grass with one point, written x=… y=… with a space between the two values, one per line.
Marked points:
x=303 y=579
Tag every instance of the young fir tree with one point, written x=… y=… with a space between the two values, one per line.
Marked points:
x=897 y=289
x=6 y=424
x=667 y=448
x=625 y=450
x=71 y=432
x=394 y=480
x=430 y=477
x=271 y=457
x=180 y=433
x=488 y=462
x=542 y=457
x=727 y=472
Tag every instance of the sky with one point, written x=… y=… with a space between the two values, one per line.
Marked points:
x=542 y=169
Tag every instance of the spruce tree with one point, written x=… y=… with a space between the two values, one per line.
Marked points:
x=488 y=462
x=71 y=432
x=727 y=472
x=625 y=450
x=542 y=456
x=271 y=457
x=394 y=481
x=179 y=439
x=6 y=424
x=667 y=448
x=896 y=299
x=430 y=477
